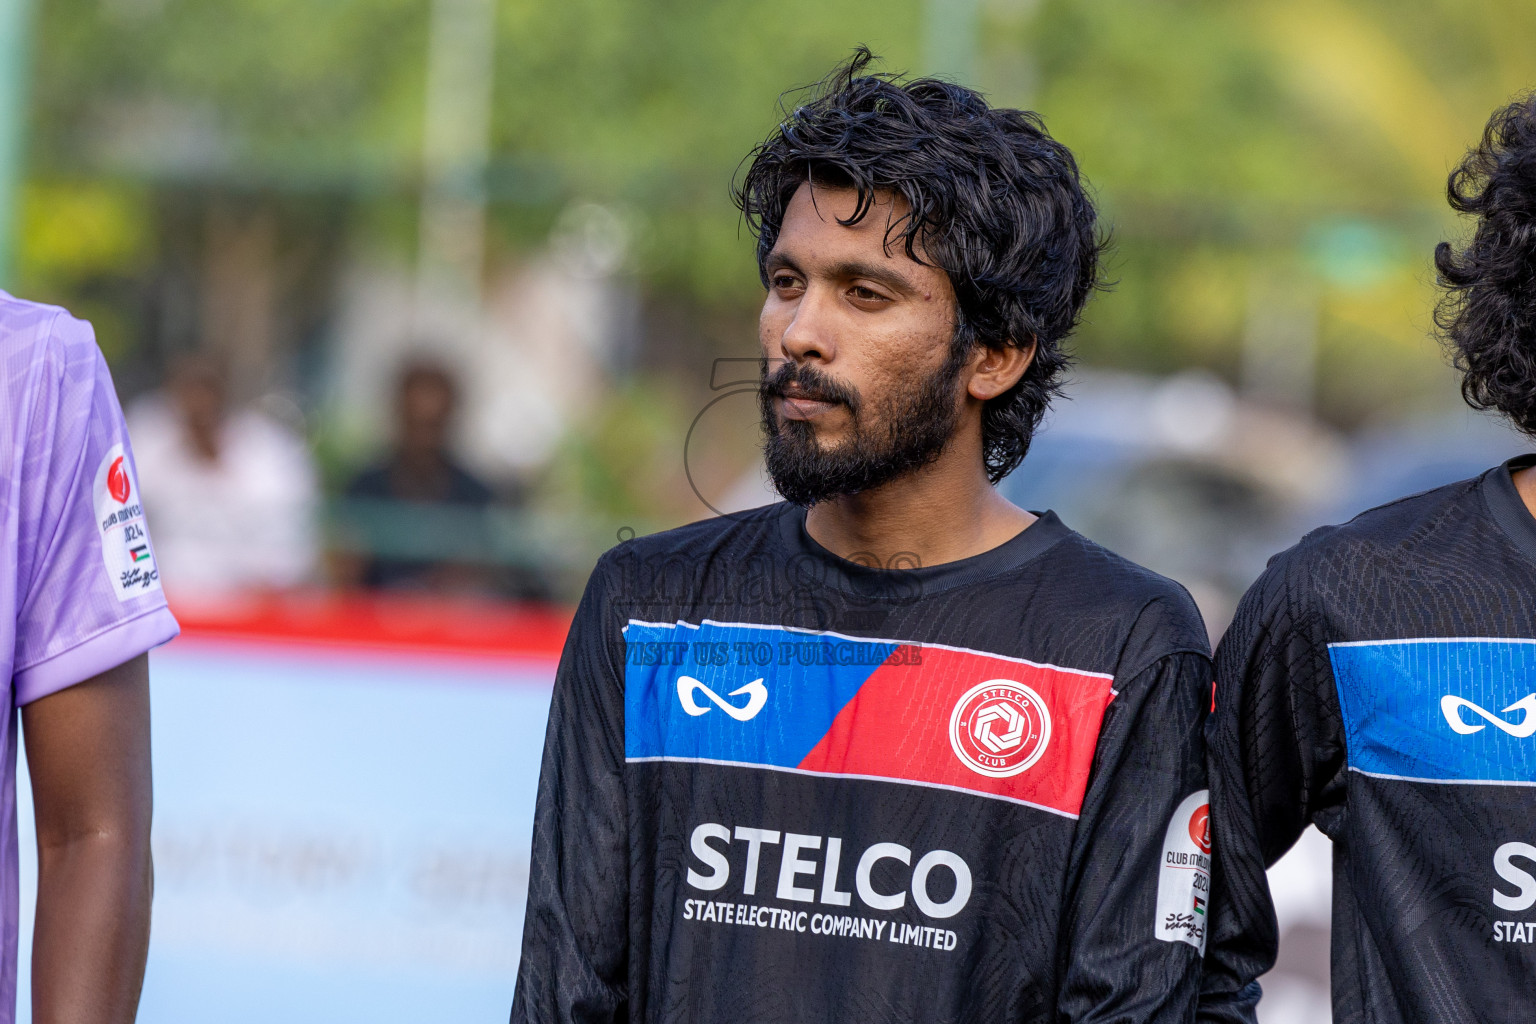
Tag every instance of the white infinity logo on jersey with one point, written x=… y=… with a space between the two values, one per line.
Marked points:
x=1451 y=705
x=757 y=696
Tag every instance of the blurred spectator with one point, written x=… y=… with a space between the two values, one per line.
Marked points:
x=233 y=494
x=421 y=517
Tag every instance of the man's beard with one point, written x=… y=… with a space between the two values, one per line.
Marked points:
x=907 y=432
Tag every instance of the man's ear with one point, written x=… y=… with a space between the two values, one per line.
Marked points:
x=996 y=369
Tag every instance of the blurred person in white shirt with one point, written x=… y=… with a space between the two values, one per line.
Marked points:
x=234 y=492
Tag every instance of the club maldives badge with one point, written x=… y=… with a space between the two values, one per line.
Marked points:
x=999 y=728
x=125 y=545
x=1184 y=877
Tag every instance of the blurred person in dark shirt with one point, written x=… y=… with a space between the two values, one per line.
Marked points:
x=422 y=512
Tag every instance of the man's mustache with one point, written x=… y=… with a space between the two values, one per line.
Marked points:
x=801 y=380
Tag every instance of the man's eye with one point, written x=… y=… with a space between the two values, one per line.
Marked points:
x=865 y=294
x=784 y=281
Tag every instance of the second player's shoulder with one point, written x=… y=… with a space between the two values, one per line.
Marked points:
x=1392 y=524
x=1383 y=537
x=1337 y=570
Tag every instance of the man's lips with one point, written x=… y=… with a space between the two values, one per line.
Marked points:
x=795 y=407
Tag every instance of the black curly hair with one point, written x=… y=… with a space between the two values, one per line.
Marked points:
x=1487 y=316
x=992 y=199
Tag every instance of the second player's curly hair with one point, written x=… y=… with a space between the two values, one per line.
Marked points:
x=992 y=200
x=1487 y=316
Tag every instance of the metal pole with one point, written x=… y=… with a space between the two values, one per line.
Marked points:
x=455 y=151
x=15 y=63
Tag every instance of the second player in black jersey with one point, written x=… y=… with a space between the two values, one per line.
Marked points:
x=1380 y=681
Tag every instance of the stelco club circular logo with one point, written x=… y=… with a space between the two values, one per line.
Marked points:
x=999 y=728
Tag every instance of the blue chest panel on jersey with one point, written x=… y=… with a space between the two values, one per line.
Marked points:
x=1440 y=710
x=785 y=689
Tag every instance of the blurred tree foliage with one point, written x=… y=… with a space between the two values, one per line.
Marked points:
x=646 y=104
x=1231 y=142
x=1234 y=143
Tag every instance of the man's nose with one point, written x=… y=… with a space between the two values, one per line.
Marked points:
x=810 y=336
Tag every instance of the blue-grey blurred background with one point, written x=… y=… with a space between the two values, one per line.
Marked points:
x=415 y=305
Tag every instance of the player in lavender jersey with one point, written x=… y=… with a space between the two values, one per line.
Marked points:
x=80 y=605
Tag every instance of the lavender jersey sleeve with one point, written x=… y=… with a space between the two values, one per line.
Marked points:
x=87 y=590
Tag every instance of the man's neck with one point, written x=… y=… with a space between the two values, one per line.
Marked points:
x=941 y=513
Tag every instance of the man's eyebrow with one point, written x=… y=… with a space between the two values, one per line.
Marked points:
x=780 y=260
x=845 y=269
x=876 y=272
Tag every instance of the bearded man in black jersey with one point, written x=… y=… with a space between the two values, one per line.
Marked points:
x=892 y=750
x=1379 y=680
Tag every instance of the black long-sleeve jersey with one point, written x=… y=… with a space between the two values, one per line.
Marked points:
x=781 y=786
x=1380 y=680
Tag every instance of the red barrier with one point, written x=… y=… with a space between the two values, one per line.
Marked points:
x=382 y=623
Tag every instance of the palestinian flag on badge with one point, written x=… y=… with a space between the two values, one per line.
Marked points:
x=139 y=553
x=1199 y=906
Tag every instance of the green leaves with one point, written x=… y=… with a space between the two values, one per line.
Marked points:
x=1222 y=136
